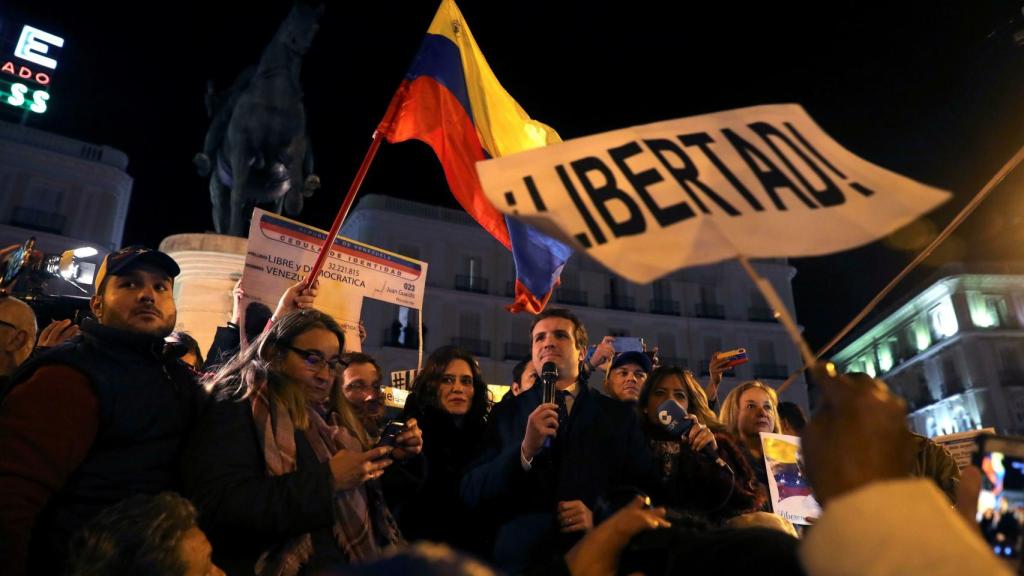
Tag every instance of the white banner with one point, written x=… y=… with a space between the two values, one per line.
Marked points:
x=281 y=252
x=764 y=181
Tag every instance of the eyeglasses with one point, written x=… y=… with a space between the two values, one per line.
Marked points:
x=9 y=324
x=315 y=361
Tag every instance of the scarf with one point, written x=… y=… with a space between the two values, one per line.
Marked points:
x=363 y=526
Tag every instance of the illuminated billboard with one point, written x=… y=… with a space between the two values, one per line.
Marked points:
x=29 y=58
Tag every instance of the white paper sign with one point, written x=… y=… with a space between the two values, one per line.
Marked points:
x=403 y=379
x=764 y=181
x=789 y=488
x=281 y=252
x=962 y=445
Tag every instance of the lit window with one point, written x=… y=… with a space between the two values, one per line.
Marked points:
x=943 y=318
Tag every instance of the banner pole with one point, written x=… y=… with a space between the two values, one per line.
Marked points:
x=346 y=205
x=781 y=314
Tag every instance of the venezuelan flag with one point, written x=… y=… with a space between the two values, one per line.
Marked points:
x=451 y=100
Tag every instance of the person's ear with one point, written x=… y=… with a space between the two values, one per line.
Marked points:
x=17 y=342
x=96 y=306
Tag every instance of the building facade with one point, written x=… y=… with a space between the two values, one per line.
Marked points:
x=954 y=351
x=689 y=315
x=66 y=193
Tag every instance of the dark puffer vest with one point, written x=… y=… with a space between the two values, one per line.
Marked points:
x=147 y=404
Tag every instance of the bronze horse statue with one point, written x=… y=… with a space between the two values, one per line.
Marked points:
x=257 y=152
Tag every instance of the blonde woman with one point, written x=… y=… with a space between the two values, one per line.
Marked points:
x=748 y=410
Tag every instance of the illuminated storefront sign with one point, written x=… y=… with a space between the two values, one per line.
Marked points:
x=28 y=58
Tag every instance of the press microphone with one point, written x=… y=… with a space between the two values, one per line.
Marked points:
x=548 y=377
x=673 y=420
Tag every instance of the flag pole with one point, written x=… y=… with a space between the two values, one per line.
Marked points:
x=781 y=313
x=346 y=205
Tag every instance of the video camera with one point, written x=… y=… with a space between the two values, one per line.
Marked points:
x=28 y=274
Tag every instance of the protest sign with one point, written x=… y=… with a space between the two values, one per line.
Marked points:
x=395 y=397
x=789 y=488
x=403 y=378
x=962 y=445
x=281 y=252
x=761 y=182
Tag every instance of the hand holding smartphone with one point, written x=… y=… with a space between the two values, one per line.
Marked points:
x=389 y=436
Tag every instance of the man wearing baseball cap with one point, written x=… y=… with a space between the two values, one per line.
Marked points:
x=626 y=376
x=97 y=419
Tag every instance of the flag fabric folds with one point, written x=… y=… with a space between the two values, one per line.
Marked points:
x=451 y=100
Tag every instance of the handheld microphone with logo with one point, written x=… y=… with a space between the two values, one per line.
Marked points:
x=548 y=377
x=674 y=421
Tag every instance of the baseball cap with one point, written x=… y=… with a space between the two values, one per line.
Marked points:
x=131 y=256
x=633 y=357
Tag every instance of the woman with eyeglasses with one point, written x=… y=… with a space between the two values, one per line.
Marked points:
x=702 y=471
x=449 y=399
x=279 y=489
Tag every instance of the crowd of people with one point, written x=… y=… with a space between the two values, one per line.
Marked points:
x=126 y=450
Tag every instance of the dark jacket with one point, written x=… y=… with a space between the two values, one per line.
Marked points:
x=599 y=448
x=436 y=512
x=245 y=511
x=147 y=403
x=696 y=484
x=227 y=341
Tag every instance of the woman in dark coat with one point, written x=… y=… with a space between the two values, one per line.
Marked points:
x=691 y=481
x=449 y=399
x=278 y=490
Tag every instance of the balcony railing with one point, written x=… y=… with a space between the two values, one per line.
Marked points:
x=25 y=217
x=703 y=310
x=619 y=302
x=517 y=351
x=770 y=371
x=571 y=297
x=471 y=284
x=665 y=307
x=476 y=347
x=760 y=314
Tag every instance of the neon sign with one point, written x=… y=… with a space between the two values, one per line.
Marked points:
x=25 y=79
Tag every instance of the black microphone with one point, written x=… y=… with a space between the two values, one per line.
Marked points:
x=673 y=419
x=548 y=377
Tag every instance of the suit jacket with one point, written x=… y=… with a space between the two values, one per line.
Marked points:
x=599 y=448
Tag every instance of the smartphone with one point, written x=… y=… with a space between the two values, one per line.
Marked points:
x=1001 y=500
x=390 y=433
x=735 y=357
x=628 y=344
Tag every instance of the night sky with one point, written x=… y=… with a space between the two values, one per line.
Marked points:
x=933 y=90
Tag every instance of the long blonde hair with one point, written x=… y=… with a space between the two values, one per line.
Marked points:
x=346 y=415
x=730 y=414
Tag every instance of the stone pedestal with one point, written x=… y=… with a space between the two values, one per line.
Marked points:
x=210 y=266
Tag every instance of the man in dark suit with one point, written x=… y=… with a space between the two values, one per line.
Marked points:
x=545 y=496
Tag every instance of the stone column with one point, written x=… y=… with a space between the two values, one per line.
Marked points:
x=210 y=266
